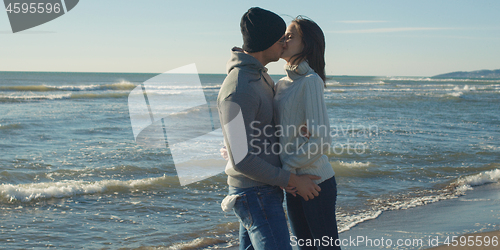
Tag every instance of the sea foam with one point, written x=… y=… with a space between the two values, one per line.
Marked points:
x=354 y=164
x=480 y=179
x=31 y=96
x=122 y=85
x=60 y=189
x=195 y=244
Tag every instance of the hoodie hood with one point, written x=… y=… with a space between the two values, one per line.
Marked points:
x=244 y=61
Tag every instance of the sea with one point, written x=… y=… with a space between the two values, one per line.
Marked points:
x=72 y=174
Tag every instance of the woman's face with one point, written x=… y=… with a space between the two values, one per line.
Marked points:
x=293 y=42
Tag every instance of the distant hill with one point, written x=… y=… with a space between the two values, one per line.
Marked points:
x=472 y=74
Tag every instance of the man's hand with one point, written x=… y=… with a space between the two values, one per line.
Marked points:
x=223 y=153
x=304 y=185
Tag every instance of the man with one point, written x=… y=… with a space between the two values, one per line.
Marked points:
x=245 y=105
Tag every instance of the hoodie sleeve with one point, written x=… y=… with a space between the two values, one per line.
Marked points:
x=237 y=114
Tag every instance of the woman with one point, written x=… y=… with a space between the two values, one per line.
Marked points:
x=299 y=102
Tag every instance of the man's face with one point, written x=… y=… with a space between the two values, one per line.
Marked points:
x=274 y=52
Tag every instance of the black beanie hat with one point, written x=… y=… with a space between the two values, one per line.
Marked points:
x=261 y=29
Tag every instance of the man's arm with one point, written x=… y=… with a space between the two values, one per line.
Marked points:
x=237 y=112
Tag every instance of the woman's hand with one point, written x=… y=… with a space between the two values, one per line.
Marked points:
x=223 y=153
x=304 y=132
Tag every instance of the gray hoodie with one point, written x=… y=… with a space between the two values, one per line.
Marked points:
x=250 y=87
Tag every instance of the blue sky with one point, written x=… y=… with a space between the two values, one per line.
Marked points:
x=382 y=38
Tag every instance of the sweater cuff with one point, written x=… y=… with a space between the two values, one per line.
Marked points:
x=284 y=178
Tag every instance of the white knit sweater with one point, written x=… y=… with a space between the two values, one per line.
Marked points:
x=299 y=100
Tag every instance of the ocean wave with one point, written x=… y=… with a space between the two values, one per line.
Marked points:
x=33 y=88
x=429 y=79
x=31 y=97
x=449 y=95
x=489 y=147
x=123 y=85
x=455 y=94
x=454 y=189
x=351 y=84
x=492 y=87
x=346 y=221
x=10 y=126
x=417 y=198
x=194 y=244
x=354 y=164
x=39 y=97
x=465 y=88
x=222 y=236
x=448 y=87
x=197 y=243
x=98 y=96
x=431 y=85
x=467 y=182
x=401 y=90
x=34 y=191
x=330 y=82
x=123 y=170
x=335 y=90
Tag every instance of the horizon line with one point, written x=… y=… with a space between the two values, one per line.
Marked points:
x=89 y=72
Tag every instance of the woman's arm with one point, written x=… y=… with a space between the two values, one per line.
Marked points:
x=318 y=125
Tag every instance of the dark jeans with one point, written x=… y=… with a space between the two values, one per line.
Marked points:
x=262 y=218
x=314 y=219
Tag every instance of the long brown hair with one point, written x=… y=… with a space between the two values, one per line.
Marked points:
x=313 y=40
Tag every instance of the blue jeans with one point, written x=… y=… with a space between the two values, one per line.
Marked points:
x=262 y=218
x=314 y=219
